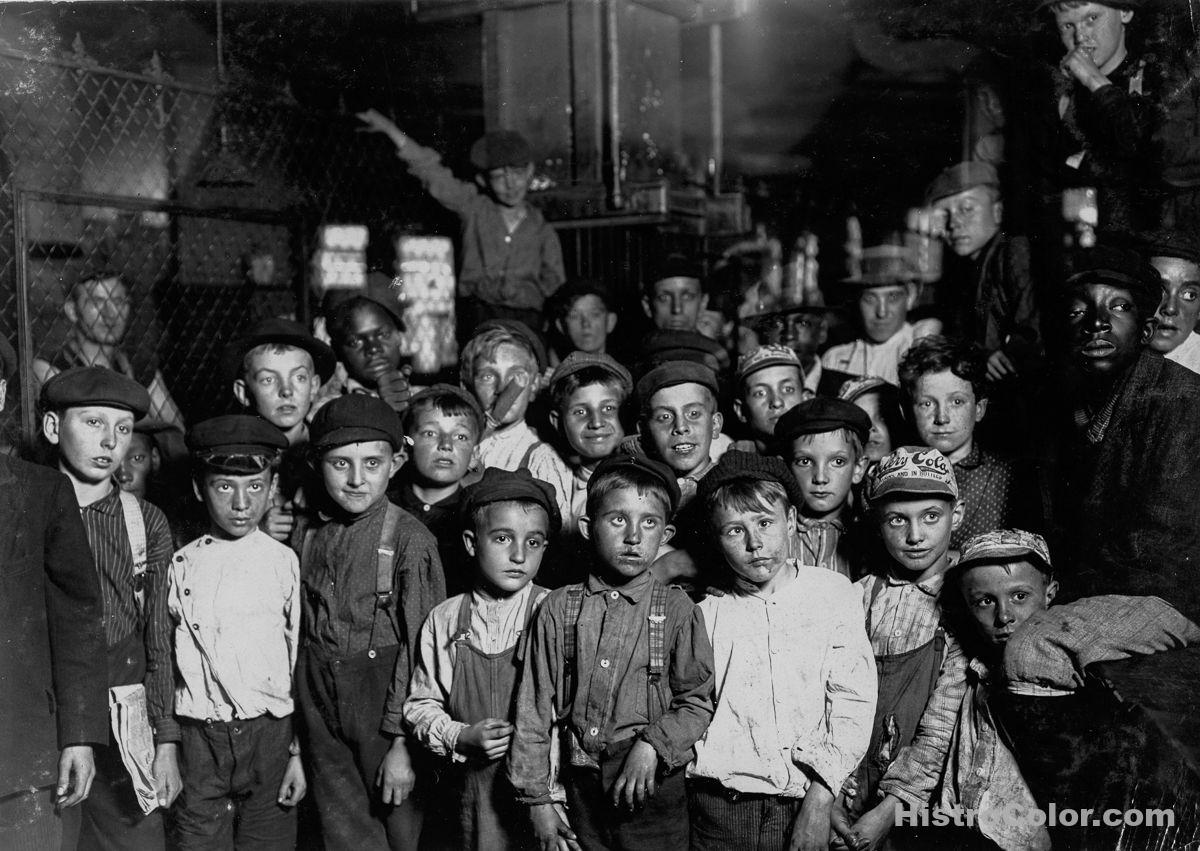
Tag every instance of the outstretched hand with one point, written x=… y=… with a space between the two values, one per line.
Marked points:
x=377 y=122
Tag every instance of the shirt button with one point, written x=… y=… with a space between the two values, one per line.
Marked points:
x=195 y=626
x=896 y=633
x=604 y=663
x=595 y=731
x=613 y=594
x=178 y=558
x=508 y=239
x=424 y=507
x=187 y=591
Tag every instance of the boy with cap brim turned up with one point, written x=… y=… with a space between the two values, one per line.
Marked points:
x=461 y=699
x=795 y=681
x=511 y=258
x=371 y=576
x=88 y=417
x=622 y=666
x=770 y=382
x=233 y=590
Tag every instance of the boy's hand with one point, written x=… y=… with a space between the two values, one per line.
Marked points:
x=810 y=831
x=839 y=822
x=167 y=782
x=488 y=739
x=377 y=122
x=293 y=786
x=395 y=777
x=1079 y=64
x=279 y=521
x=393 y=387
x=636 y=780
x=870 y=830
x=550 y=829
x=76 y=771
x=999 y=366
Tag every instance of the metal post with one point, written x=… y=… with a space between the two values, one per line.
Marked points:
x=716 y=73
x=613 y=77
x=24 y=331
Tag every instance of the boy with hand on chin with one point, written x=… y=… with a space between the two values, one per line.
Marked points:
x=371 y=576
x=461 y=698
x=795 y=681
x=230 y=590
x=622 y=665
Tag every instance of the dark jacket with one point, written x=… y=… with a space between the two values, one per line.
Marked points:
x=52 y=647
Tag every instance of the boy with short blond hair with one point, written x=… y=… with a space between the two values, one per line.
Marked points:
x=231 y=589
x=795 y=681
x=622 y=666
x=822 y=440
x=460 y=701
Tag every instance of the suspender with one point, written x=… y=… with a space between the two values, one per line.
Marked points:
x=528 y=454
x=135 y=529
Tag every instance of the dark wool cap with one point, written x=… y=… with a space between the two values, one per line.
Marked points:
x=355 y=418
x=1115 y=4
x=235 y=434
x=1179 y=244
x=1118 y=267
x=672 y=373
x=822 y=414
x=675 y=266
x=738 y=466
x=960 y=178
x=566 y=295
x=518 y=329
x=511 y=486
x=450 y=390
x=578 y=361
x=499 y=149
x=8 y=359
x=640 y=464
x=94 y=385
x=662 y=346
x=285 y=332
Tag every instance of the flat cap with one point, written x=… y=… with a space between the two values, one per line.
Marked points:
x=498 y=485
x=856 y=388
x=235 y=434
x=286 y=332
x=912 y=470
x=94 y=385
x=578 y=361
x=661 y=346
x=8 y=359
x=961 y=177
x=676 y=266
x=518 y=329
x=763 y=357
x=499 y=149
x=1005 y=545
x=736 y=466
x=570 y=292
x=673 y=373
x=1164 y=243
x=1115 y=4
x=640 y=465
x=355 y=418
x=1120 y=267
x=467 y=399
x=821 y=414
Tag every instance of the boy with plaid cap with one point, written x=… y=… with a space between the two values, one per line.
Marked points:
x=460 y=701
x=511 y=258
x=795 y=681
x=770 y=382
x=913 y=503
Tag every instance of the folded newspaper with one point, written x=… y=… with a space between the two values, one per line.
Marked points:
x=131 y=730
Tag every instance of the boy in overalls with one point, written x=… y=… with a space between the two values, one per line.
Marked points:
x=461 y=698
x=371 y=575
x=913 y=502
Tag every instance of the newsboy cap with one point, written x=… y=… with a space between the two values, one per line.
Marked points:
x=913 y=471
x=1119 y=267
x=284 y=332
x=94 y=385
x=498 y=485
x=736 y=465
x=821 y=414
x=673 y=373
x=235 y=434
x=640 y=464
x=1002 y=545
x=499 y=149
x=578 y=361
x=961 y=177
x=355 y=418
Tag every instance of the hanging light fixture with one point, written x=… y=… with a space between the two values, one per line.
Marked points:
x=225 y=170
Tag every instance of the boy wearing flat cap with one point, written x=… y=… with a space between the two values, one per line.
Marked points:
x=88 y=417
x=770 y=382
x=679 y=419
x=234 y=601
x=622 y=666
x=511 y=258
x=1176 y=258
x=675 y=297
x=461 y=697
x=371 y=575
x=823 y=440
x=795 y=681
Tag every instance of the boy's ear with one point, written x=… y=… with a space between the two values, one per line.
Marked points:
x=273 y=489
x=913 y=292
x=398 y=459
x=155 y=459
x=739 y=409
x=1148 y=327
x=481 y=181
x=646 y=307
x=668 y=533
x=51 y=424
x=792 y=521
x=957 y=515
x=70 y=311
x=469 y=541
x=3 y=392
x=585 y=527
x=554 y=418
x=704 y=301
x=1051 y=591
x=718 y=421
x=981 y=410
x=196 y=491
x=998 y=212
x=241 y=392
x=610 y=322
x=561 y=326
x=860 y=468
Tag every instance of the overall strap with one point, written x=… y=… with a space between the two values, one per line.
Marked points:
x=876 y=588
x=462 y=631
x=385 y=569
x=135 y=528
x=658 y=643
x=570 y=637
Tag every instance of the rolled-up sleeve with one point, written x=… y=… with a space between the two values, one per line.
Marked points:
x=426 y=165
x=690 y=677
x=425 y=714
x=159 y=630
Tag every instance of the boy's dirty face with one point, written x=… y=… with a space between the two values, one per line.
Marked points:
x=590 y=421
x=1095 y=27
x=946 y=411
x=1001 y=597
x=683 y=421
x=101 y=310
x=134 y=473
x=509 y=185
x=879 y=441
x=1180 y=305
x=1106 y=332
x=442 y=446
x=279 y=386
x=236 y=503
x=675 y=304
x=91 y=440
x=972 y=218
x=588 y=324
x=767 y=394
x=371 y=345
x=356 y=475
x=757 y=542
x=916 y=530
x=626 y=532
x=510 y=366
x=884 y=310
x=826 y=468
x=509 y=543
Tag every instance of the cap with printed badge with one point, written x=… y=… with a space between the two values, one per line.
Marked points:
x=913 y=471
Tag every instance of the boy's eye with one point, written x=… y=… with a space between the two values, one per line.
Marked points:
x=932 y=516
x=801 y=462
x=371 y=463
x=733 y=531
x=501 y=539
x=982 y=603
x=839 y=462
x=896 y=522
x=124 y=429
x=650 y=523
x=1121 y=305
x=1021 y=596
x=617 y=520
x=534 y=543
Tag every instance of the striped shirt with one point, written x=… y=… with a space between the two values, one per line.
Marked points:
x=104 y=522
x=903 y=615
